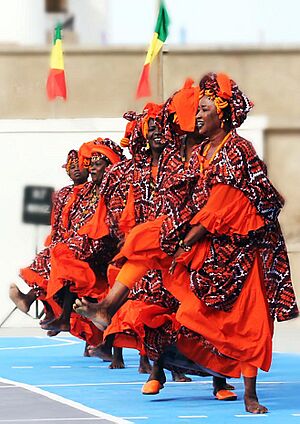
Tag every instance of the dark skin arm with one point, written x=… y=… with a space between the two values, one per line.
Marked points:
x=196 y=233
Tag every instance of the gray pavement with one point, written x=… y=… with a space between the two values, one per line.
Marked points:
x=19 y=405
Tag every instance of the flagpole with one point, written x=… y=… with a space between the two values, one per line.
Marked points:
x=160 y=67
x=160 y=76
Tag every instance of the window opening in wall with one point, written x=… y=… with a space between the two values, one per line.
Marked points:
x=56 y=6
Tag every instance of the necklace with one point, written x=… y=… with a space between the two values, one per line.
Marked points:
x=206 y=150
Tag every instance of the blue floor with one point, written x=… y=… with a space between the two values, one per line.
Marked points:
x=57 y=366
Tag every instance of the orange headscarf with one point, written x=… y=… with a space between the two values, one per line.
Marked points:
x=151 y=110
x=107 y=152
x=184 y=104
x=85 y=152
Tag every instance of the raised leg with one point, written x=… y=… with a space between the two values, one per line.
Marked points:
x=21 y=300
x=101 y=313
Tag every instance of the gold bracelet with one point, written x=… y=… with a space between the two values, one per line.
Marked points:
x=184 y=246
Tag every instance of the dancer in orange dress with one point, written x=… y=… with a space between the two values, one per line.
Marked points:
x=79 y=261
x=37 y=274
x=232 y=264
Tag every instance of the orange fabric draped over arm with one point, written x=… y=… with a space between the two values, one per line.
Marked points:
x=96 y=227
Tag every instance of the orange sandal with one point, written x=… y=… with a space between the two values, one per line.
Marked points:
x=152 y=387
x=225 y=395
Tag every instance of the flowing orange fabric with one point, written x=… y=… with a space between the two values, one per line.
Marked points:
x=65 y=267
x=244 y=333
x=85 y=330
x=248 y=370
x=131 y=319
x=142 y=244
x=127 y=220
x=228 y=211
x=127 y=320
x=201 y=354
x=96 y=227
x=131 y=272
x=184 y=104
x=31 y=278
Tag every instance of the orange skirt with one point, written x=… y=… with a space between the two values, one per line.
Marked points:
x=243 y=334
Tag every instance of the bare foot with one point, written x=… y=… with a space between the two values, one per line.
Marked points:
x=180 y=377
x=56 y=325
x=52 y=333
x=21 y=300
x=95 y=312
x=117 y=364
x=145 y=366
x=49 y=316
x=252 y=405
x=117 y=361
x=101 y=351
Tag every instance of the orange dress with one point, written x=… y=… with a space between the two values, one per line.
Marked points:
x=243 y=334
x=128 y=323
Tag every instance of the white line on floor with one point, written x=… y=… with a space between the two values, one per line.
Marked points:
x=68 y=402
x=66 y=342
x=60 y=366
x=97 y=366
x=21 y=367
x=129 y=383
x=295 y=415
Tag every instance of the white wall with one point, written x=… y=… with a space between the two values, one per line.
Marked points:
x=22 y=22
x=33 y=152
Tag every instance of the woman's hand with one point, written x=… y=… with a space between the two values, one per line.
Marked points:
x=178 y=252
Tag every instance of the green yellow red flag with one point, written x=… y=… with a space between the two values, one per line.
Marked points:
x=159 y=37
x=56 y=83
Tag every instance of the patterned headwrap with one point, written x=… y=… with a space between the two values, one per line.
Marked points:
x=154 y=111
x=108 y=150
x=231 y=103
x=85 y=152
x=137 y=129
x=72 y=158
